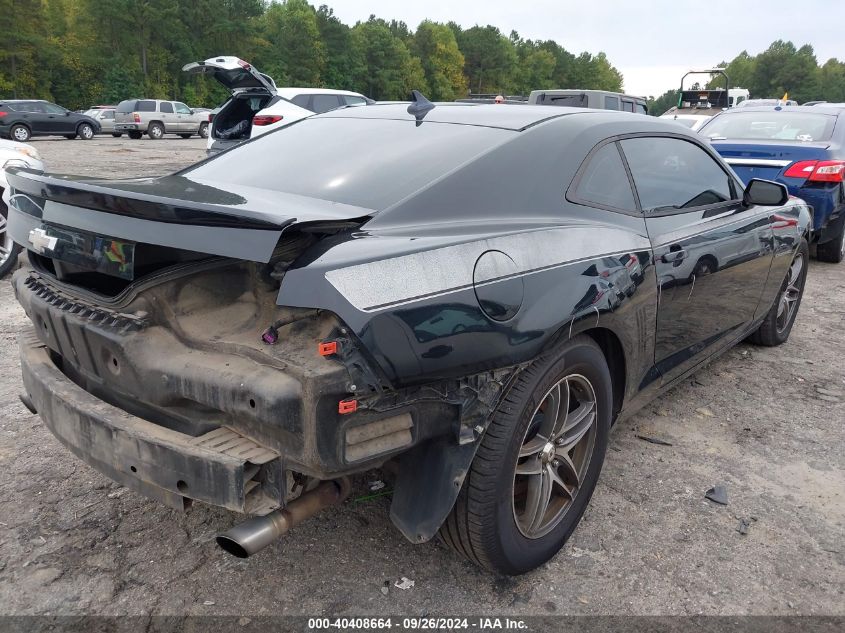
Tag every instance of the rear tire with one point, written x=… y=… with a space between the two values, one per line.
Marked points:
x=155 y=131
x=203 y=131
x=492 y=523
x=833 y=251
x=135 y=135
x=775 y=328
x=20 y=133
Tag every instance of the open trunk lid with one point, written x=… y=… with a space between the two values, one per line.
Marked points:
x=233 y=73
x=175 y=211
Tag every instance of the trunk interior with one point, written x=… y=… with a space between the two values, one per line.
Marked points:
x=234 y=121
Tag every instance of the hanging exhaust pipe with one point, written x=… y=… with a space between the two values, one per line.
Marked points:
x=256 y=533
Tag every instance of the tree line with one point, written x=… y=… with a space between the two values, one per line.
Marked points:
x=780 y=69
x=83 y=52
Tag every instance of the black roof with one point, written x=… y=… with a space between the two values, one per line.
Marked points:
x=512 y=117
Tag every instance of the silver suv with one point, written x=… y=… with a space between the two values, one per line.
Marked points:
x=156 y=118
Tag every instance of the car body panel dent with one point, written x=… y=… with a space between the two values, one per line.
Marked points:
x=422 y=328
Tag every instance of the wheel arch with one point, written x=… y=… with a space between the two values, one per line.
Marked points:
x=614 y=354
x=154 y=122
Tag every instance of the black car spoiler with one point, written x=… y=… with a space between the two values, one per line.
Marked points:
x=174 y=211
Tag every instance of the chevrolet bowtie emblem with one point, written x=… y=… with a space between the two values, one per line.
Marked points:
x=41 y=242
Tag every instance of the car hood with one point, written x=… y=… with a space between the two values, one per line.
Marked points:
x=235 y=74
x=238 y=221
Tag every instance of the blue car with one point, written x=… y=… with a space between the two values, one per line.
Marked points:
x=803 y=148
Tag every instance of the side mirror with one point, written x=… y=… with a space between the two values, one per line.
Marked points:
x=765 y=193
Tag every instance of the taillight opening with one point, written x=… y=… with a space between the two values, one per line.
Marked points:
x=266 y=119
x=817 y=170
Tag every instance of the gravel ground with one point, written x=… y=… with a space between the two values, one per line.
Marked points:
x=73 y=542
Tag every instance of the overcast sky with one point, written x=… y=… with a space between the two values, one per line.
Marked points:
x=652 y=42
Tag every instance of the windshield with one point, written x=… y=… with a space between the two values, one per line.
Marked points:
x=370 y=163
x=770 y=125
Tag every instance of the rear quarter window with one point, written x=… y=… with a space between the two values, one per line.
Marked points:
x=302 y=101
x=324 y=103
x=146 y=106
x=126 y=106
x=604 y=182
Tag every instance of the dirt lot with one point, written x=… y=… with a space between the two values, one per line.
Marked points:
x=755 y=420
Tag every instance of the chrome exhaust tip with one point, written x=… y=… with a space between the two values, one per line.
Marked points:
x=253 y=535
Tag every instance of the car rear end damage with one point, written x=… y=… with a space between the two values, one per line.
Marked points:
x=175 y=372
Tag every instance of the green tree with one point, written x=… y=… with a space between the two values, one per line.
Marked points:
x=784 y=69
x=295 y=54
x=659 y=105
x=343 y=61
x=490 y=59
x=740 y=71
x=832 y=81
x=442 y=62
x=388 y=69
x=20 y=43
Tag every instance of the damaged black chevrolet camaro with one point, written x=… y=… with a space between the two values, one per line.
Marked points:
x=473 y=294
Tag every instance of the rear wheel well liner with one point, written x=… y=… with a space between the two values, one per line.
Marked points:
x=614 y=354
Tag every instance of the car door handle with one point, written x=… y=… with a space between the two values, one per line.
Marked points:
x=673 y=256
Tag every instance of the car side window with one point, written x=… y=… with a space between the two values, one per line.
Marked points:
x=611 y=103
x=324 y=103
x=166 y=107
x=181 y=108
x=671 y=173
x=108 y=114
x=145 y=106
x=302 y=101
x=354 y=101
x=627 y=106
x=641 y=109
x=604 y=181
x=30 y=106
x=52 y=108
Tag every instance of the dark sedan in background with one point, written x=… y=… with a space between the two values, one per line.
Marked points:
x=804 y=148
x=22 y=119
x=475 y=296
